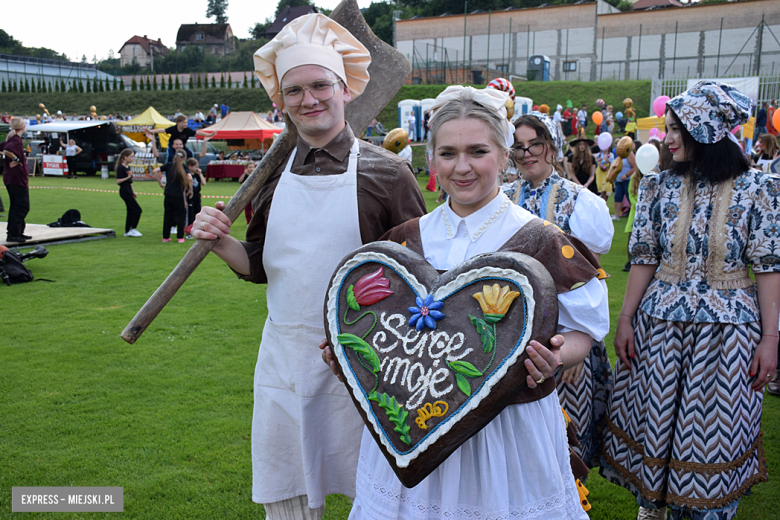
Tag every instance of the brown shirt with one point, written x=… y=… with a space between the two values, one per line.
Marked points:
x=387 y=192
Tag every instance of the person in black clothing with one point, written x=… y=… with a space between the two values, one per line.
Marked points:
x=761 y=119
x=125 y=180
x=198 y=180
x=15 y=180
x=179 y=131
x=581 y=165
x=177 y=188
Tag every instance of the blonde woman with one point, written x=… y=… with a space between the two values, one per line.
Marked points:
x=518 y=466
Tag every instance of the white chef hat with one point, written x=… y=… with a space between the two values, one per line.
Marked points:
x=313 y=39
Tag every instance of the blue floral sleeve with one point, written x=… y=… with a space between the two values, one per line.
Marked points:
x=763 y=248
x=643 y=243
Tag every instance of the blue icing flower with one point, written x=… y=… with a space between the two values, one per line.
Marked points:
x=426 y=314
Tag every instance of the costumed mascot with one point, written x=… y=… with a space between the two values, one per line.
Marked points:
x=631 y=126
x=624 y=148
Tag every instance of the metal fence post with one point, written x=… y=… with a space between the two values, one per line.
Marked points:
x=720 y=39
x=674 y=58
x=639 y=52
x=465 y=13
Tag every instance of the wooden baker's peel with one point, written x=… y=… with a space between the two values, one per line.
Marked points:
x=388 y=71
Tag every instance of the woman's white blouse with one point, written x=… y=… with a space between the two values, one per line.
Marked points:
x=584 y=309
x=592 y=223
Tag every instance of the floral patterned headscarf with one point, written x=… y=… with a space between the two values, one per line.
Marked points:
x=553 y=129
x=710 y=109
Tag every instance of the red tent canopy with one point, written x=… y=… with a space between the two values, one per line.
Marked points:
x=240 y=125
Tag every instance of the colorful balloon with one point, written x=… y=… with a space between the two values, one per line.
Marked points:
x=619 y=115
x=653 y=132
x=597 y=117
x=646 y=158
x=605 y=141
x=662 y=136
x=659 y=105
x=395 y=140
x=625 y=146
x=776 y=119
x=736 y=129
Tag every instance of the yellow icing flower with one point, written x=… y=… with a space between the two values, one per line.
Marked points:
x=495 y=300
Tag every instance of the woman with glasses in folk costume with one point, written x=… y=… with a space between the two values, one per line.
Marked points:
x=697 y=338
x=518 y=465
x=542 y=190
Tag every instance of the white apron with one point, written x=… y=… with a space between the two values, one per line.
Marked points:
x=305 y=430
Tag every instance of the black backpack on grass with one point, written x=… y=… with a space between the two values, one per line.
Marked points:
x=12 y=270
x=71 y=218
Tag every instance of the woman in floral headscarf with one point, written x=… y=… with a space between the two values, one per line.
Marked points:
x=696 y=337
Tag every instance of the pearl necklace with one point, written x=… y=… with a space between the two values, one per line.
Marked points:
x=483 y=227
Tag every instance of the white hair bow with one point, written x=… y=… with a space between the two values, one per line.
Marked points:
x=492 y=99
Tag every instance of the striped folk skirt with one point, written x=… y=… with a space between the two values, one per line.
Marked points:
x=587 y=401
x=684 y=425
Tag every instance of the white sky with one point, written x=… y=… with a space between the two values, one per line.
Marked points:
x=92 y=27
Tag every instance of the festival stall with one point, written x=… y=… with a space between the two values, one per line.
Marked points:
x=228 y=169
x=242 y=131
x=253 y=132
x=645 y=124
x=149 y=118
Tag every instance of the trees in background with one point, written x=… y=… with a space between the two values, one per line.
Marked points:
x=217 y=9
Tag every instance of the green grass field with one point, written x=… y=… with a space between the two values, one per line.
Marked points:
x=169 y=418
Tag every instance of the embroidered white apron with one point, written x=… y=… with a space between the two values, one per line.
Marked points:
x=305 y=429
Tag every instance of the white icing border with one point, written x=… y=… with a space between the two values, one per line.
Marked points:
x=463 y=279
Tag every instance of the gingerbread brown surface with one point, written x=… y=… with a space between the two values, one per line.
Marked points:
x=430 y=359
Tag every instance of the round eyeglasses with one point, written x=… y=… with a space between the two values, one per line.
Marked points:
x=533 y=150
x=321 y=90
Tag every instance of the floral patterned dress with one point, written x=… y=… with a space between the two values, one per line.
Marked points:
x=684 y=424
x=578 y=212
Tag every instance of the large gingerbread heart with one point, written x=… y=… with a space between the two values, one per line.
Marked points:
x=430 y=359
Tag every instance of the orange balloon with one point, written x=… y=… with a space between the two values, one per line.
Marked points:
x=776 y=119
x=597 y=117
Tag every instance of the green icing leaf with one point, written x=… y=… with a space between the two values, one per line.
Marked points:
x=361 y=347
x=351 y=300
x=485 y=331
x=396 y=413
x=493 y=318
x=463 y=384
x=465 y=368
x=578 y=284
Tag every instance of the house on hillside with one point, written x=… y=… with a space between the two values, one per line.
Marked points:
x=140 y=50
x=214 y=38
x=287 y=15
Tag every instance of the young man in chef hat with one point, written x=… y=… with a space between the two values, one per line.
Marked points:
x=333 y=194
